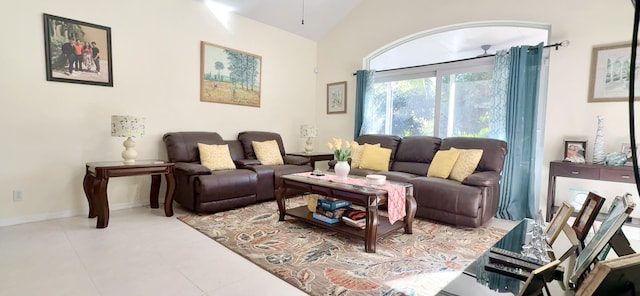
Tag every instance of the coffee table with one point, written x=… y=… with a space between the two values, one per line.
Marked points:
x=369 y=197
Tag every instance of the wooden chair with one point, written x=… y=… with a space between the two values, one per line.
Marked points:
x=587 y=215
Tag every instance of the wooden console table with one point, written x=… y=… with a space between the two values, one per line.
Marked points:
x=621 y=174
x=97 y=176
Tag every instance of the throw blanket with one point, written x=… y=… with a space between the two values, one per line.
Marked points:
x=396 y=197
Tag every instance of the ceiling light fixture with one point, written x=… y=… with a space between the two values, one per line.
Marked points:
x=485 y=48
x=303 y=12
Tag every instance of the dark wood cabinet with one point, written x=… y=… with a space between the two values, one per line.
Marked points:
x=621 y=174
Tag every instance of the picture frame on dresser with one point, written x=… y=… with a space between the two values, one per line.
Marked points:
x=63 y=64
x=575 y=151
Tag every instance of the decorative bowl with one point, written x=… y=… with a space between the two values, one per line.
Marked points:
x=376 y=179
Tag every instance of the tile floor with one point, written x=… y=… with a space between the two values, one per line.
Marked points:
x=142 y=252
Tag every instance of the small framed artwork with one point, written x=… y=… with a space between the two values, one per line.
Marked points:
x=587 y=215
x=609 y=77
x=229 y=76
x=77 y=52
x=558 y=222
x=575 y=151
x=337 y=97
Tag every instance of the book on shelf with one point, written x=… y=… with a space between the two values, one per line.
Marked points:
x=331 y=205
x=354 y=223
x=337 y=213
x=325 y=218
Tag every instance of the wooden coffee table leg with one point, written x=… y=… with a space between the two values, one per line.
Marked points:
x=371 y=228
x=411 y=207
x=280 y=197
x=100 y=201
x=87 y=185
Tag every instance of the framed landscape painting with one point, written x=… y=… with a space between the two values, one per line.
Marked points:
x=229 y=76
x=77 y=52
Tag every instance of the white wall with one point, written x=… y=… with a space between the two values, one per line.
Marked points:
x=375 y=23
x=52 y=129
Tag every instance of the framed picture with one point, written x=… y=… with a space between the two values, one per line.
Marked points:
x=620 y=210
x=609 y=77
x=77 y=52
x=229 y=76
x=558 y=222
x=612 y=277
x=588 y=213
x=337 y=97
x=575 y=151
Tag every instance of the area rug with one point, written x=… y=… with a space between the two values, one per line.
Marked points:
x=322 y=262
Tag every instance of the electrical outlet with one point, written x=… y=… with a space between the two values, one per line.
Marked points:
x=17 y=195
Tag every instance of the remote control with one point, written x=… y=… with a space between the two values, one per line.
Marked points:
x=516 y=256
x=508 y=271
x=508 y=261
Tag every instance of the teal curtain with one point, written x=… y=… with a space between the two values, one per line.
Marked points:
x=517 y=198
x=364 y=84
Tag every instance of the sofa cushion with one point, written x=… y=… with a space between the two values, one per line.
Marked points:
x=375 y=158
x=443 y=163
x=216 y=157
x=415 y=153
x=356 y=154
x=249 y=136
x=386 y=141
x=447 y=196
x=493 y=156
x=466 y=164
x=267 y=152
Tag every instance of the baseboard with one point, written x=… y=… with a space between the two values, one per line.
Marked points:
x=64 y=214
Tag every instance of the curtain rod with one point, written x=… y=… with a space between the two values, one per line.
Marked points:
x=556 y=45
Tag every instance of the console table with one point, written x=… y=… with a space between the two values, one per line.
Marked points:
x=97 y=176
x=621 y=174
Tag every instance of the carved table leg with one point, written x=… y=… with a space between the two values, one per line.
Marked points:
x=87 y=185
x=411 y=207
x=168 y=199
x=100 y=200
x=155 y=191
x=280 y=197
x=371 y=228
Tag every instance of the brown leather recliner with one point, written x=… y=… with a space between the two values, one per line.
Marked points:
x=200 y=189
x=269 y=175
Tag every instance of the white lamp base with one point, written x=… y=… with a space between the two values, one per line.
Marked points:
x=309 y=148
x=129 y=154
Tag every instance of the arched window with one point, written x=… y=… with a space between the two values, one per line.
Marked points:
x=418 y=91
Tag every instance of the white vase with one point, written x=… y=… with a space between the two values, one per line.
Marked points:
x=342 y=169
x=598 y=147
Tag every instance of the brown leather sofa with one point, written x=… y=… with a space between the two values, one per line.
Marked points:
x=471 y=202
x=202 y=190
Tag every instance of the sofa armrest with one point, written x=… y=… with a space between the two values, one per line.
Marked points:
x=188 y=168
x=483 y=179
x=294 y=159
x=244 y=163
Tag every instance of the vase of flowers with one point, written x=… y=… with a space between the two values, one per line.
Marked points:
x=342 y=155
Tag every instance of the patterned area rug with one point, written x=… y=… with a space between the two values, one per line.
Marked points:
x=321 y=262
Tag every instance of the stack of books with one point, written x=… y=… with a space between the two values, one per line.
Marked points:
x=355 y=218
x=331 y=211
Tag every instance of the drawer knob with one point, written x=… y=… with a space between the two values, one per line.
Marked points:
x=625 y=177
x=575 y=173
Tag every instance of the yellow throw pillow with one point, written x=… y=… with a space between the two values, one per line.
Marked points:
x=466 y=164
x=216 y=157
x=375 y=158
x=267 y=152
x=442 y=163
x=356 y=154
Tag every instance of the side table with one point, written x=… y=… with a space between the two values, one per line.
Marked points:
x=314 y=156
x=97 y=176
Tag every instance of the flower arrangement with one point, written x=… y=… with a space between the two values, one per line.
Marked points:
x=340 y=153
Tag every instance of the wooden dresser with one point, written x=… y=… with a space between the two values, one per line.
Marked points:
x=622 y=174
